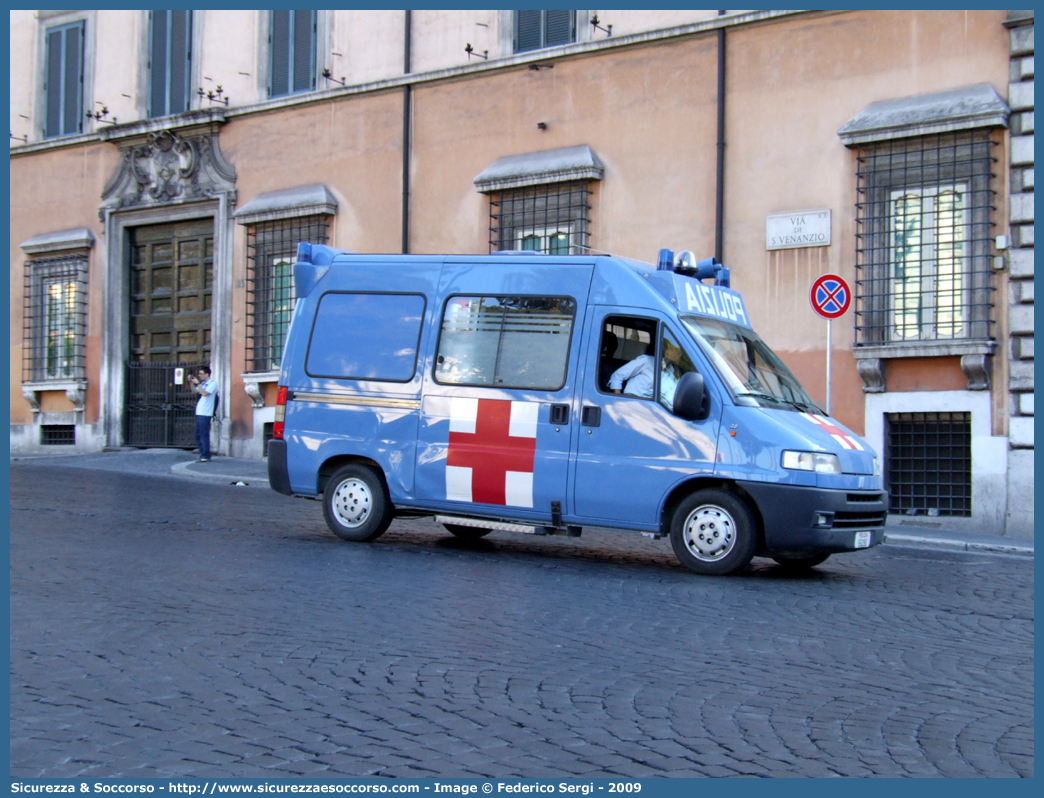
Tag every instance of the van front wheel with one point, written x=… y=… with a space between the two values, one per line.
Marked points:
x=356 y=504
x=714 y=532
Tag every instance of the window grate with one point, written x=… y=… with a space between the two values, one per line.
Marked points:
x=57 y=435
x=54 y=319
x=924 y=227
x=553 y=219
x=928 y=459
x=271 y=252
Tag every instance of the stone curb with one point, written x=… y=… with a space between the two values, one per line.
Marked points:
x=184 y=470
x=955 y=544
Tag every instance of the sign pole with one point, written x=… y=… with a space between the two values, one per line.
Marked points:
x=830 y=349
x=830 y=297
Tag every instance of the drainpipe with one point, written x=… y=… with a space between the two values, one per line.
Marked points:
x=406 y=141
x=719 y=198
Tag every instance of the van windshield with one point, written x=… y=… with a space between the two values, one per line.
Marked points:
x=753 y=373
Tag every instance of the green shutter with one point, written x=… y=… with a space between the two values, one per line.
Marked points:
x=528 y=30
x=158 y=64
x=279 y=48
x=64 y=81
x=304 y=50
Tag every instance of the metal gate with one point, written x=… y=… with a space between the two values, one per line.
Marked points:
x=158 y=413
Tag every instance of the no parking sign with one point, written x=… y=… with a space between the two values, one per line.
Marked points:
x=830 y=296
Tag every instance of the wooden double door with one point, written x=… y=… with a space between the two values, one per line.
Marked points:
x=171 y=289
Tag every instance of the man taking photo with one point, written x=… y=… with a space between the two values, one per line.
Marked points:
x=205 y=387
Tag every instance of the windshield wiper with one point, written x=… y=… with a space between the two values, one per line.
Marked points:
x=804 y=408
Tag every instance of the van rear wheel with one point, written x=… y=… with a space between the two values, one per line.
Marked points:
x=714 y=532
x=356 y=504
x=467 y=532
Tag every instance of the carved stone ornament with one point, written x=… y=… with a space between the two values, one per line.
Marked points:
x=169 y=167
x=29 y=394
x=872 y=372
x=977 y=369
x=253 y=390
x=75 y=395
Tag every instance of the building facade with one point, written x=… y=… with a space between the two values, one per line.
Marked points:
x=165 y=164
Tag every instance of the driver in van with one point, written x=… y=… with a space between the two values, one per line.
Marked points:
x=637 y=377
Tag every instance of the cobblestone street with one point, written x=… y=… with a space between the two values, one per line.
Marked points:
x=162 y=627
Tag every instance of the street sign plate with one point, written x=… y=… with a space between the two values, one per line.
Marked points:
x=862 y=540
x=830 y=296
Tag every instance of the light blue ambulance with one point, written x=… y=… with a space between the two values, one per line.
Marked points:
x=543 y=394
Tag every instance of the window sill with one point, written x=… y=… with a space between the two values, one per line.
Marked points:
x=74 y=391
x=252 y=382
x=261 y=376
x=871 y=361
x=923 y=349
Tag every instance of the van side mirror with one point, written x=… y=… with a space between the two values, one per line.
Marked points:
x=691 y=401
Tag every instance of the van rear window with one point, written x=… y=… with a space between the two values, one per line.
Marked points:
x=505 y=342
x=366 y=337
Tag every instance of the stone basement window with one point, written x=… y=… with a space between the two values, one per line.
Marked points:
x=928 y=463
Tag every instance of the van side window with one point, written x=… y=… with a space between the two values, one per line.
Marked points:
x=505 y=341
x=673 y=364
x=624 y=340
x=365 y=337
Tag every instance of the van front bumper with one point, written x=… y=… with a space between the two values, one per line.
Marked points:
x=278 y=475
x=801 y=520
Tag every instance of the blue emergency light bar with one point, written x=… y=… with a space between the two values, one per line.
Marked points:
x=685 y=263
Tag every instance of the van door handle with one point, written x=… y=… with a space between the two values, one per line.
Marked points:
x=560 y=414
x=591 y=416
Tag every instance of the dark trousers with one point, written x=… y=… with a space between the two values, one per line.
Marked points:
x=203 y=435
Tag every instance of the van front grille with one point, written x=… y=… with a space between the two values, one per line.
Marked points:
x=848 y=520
x=865 y=497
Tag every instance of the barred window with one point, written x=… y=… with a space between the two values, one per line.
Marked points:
x=553 y=219
x=55 y=319
x=924 y=230
x=928 y=460
x=271 y=251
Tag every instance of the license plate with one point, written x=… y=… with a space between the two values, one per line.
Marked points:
x=862 y=540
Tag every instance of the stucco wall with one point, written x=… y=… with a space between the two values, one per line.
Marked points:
x=231 y=56
x=354 y=147
x=366 y=45
x=53 y=191
x=659 y=180
x=790 y=86
x=23 y=65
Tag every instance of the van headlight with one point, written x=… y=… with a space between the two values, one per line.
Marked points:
x=877 y=466
x=812 y=461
